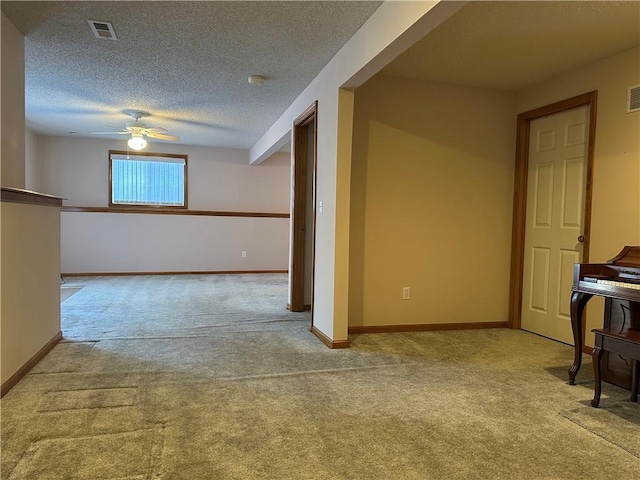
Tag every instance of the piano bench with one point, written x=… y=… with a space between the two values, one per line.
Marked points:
x=625 y=342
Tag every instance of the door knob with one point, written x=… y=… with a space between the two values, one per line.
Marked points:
x=581 y=239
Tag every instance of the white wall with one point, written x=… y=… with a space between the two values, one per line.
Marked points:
x=30 y=282
x=12 y=171
x=218 y=180
x=113 y=242
x=31 y=165
x=389 y=31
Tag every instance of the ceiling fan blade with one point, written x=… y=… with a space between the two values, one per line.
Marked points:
x=109 y=133
x=163 y=136
x=157 y=130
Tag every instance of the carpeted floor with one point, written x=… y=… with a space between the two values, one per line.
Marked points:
x=67 y=291
x=210 y=377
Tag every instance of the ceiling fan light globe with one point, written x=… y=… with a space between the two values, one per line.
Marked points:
x=137 y=143
x=256 y=80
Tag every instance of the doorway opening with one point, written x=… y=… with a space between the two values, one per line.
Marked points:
x=303 y=218
x=520 y=193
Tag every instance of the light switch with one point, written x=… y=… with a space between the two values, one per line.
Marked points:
x=320 y=206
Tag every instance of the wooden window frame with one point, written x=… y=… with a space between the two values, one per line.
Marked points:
x=120 y=206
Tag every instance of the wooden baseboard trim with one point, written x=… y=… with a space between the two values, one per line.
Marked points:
x=204 y=272
x=305 y=308
x=22 y=371
x=424 y=327
x=328 y=342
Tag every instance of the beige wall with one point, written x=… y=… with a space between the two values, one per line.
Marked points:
x=12 y=92
x=411 y=221
x=431 y=201
x=615 y=218
x=219 y=179
x=110 y=242
x=30 y=282
x=392 y=28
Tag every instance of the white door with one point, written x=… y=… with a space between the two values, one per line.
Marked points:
x=554 y=220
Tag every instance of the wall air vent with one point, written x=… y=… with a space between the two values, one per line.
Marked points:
x=633 y=99
x=102 y=30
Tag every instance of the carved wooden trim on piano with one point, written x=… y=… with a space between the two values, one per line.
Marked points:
x=520 y=192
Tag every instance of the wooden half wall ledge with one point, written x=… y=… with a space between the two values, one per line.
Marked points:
x=18 y=195
x=425 y=327
x=22 y=371
x=172 y=211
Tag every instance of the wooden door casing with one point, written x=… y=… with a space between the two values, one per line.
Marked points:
x=554 y=220
x=520 y=193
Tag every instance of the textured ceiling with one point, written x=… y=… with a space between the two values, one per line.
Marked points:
x=186 y=63
x=511 y=45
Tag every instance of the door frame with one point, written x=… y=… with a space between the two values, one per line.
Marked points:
x=520 y=192
x=300 y=198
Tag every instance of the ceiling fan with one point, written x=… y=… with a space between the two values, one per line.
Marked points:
x=139 y=131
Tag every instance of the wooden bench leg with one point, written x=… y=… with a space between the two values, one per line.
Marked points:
x=635 y=373
x=596 y=355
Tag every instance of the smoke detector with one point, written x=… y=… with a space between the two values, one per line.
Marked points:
x=256 y=80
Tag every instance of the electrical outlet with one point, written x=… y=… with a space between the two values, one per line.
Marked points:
x=406 y=293
x=244 y=254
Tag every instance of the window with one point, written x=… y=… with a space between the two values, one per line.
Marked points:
x=147 y=180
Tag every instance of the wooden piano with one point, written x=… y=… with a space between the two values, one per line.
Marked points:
x=617 y=281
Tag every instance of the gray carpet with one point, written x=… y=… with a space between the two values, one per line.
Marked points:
x=615 y=422
x=67 y=291
x=210 y=377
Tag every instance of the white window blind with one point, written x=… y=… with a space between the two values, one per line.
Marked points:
x=152 y=181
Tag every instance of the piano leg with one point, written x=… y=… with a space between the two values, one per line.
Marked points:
x=578 y=302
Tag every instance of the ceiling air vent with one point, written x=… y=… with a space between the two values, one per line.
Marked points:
x=102 y=30
x=633 y=99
